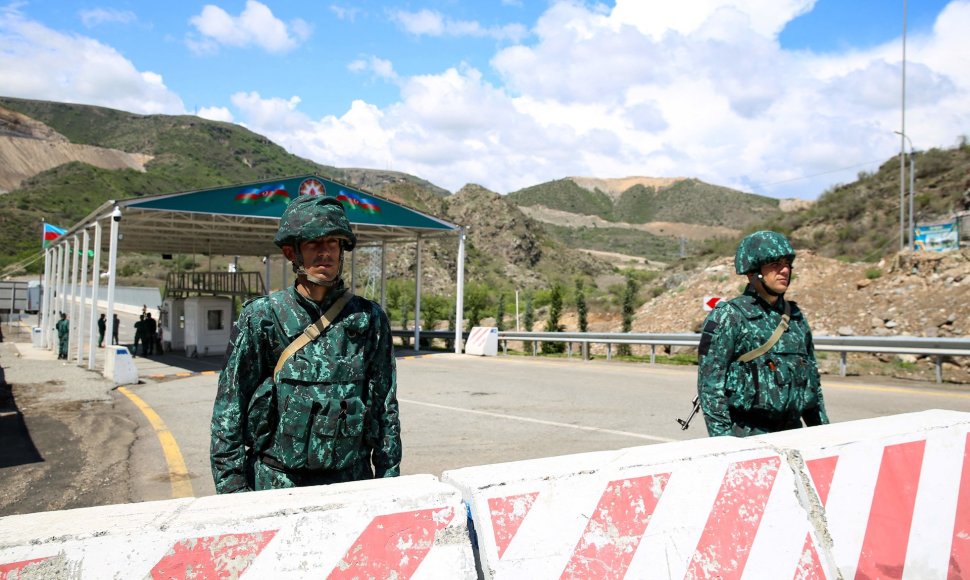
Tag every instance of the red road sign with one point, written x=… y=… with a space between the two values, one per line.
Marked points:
x=710 y=302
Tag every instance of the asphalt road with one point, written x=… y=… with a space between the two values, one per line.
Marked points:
x=458 y=411
x=72 y=441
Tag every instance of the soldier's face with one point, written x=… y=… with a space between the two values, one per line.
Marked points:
x=321 y=257
x=776 y=276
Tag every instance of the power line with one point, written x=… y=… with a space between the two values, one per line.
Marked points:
x=823 y=173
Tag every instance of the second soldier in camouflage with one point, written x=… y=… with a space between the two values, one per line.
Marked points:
x=778 y=389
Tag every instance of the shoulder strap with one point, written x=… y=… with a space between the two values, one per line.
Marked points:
x=313 y=331
x=782 y=327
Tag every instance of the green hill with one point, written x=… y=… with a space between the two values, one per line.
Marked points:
x=565 y=195
x=692 y=201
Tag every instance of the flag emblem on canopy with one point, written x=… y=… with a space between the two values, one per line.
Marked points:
x=355 y=201
x=312 y=187
x=269 y=194
x=51 y=233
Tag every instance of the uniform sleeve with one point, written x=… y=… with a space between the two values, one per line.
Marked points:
x=816 y=416
x=243 y=371
x=714 y=355
x=382 y=381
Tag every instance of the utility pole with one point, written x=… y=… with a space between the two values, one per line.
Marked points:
x=902 y=145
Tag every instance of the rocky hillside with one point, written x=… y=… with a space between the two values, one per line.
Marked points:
x=913 y=294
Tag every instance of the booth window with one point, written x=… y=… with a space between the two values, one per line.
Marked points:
x=214 y=318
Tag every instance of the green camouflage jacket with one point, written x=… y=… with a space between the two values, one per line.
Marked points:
x=63 y=328
x=333 y=406
x=770 y=393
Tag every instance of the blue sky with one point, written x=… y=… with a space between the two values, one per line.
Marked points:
x=778 y=97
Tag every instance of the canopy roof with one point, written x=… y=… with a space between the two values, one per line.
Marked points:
x=242 y=219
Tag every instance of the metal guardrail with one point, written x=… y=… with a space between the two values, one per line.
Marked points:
x=935 y=347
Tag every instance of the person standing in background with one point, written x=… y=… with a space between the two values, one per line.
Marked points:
x=102 y=327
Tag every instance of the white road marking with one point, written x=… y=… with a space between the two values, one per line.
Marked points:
x=542 y=422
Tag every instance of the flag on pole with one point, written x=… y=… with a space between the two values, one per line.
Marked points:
x=51 y=233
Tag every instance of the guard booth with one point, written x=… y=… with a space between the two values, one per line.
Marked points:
x=199 y=309
x=171 y=319
x=208 y=320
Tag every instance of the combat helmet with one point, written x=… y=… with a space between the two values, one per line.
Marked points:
x=761 y=248
x=309 y=217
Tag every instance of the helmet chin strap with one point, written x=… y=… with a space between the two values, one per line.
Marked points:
x=300 y=270
x=769 y=291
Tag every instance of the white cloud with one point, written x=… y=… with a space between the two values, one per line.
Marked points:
x=39 y=63
x=651 y=89
x=216 y=114
x=98 y=16
x=255 y=26
x=644 y=88
x=377 y=66
x=344 y=12
x=431 y=23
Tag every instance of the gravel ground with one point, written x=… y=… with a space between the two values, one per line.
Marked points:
x=66 y=443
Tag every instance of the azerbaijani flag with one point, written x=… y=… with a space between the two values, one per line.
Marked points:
x=270 y=194
x=355 y=201
x=51 y=233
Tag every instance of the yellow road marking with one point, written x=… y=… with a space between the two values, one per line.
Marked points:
x=177 y=472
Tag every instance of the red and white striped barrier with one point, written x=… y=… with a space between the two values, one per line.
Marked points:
x=895 y=492
x=886 y=497
x=406 y=527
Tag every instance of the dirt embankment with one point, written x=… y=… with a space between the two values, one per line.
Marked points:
x=28 y=147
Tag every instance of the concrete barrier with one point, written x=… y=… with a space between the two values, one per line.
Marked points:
x=892 y=495
x=407 y=527
x=482 y=341
x=865 y=499
x=119 y=366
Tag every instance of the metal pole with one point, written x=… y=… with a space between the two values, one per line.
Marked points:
x=65 y=274
x=902 y=144
x=44 y=317
x=460 y=296
x=417 y=296
x=517 y=329
x=112 y=266
x=912 y=187
x=95 y=291
x=383 y=275
x=85 y=242
x=912 y=192
x=72 y=309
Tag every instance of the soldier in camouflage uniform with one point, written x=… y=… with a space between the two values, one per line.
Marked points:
x=63 y=336
x=780 y=388
x=331 y=413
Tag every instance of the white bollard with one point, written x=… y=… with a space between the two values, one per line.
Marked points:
x=119 y=366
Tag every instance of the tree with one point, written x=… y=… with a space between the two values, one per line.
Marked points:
x=476 y=303
x=500 y=312
x=552 y=325
x=629 y=307
x=581 y=306
x=433 y=309
x=581 y=314
x=450 y=343
x=529 y=317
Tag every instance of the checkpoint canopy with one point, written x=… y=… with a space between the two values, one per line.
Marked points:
x=236 y=220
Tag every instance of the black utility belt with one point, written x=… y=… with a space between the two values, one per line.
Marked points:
x=270 y=461
x=760 y=419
